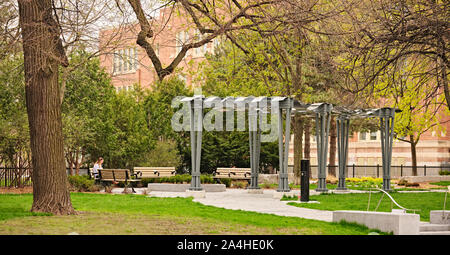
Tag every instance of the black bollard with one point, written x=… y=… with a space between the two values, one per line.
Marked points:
x=304 y=180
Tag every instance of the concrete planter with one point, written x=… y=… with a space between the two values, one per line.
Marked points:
x=440 y=217
x=170 y=187
x=431 y=178
x=396 y=222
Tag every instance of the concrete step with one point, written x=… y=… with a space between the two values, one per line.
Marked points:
x=440 y=233
x=434 y=227
x=427 y=228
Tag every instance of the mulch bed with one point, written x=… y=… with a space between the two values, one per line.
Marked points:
x=24 y=190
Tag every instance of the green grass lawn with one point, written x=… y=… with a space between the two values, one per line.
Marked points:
x=425 y=201
x=441 y=183
x=137 y=214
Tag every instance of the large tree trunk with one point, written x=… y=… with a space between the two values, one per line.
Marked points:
x=43 y=54
x=333 y=140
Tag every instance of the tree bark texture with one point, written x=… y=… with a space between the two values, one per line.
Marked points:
x=43 y=54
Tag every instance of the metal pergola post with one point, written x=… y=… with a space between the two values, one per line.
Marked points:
x=196 y=121
x=343 y=123
x=286 y=103
x=323 y=118
x=386 y=116
x=254 y=124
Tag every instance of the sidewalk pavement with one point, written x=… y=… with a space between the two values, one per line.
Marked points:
x=240 y=199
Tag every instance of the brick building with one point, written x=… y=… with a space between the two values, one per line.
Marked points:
x=128 y=63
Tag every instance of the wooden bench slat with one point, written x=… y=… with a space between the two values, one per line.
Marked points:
x=117 y=175
x=155 y=172
x=233 y=173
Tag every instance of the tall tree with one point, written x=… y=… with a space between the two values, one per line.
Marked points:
x=387 y=32
x=43 y=54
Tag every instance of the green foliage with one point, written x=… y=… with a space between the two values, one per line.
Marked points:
x=82 y=183
x=131 y=139
x=164 y=154
x=227 y=73
x=441 y=183
x=87 y=103
x=444 y=172
x=158 y=106
x=226 y=181
x=179 y=178
x=364 y=182
x=100 y=122
x=14 y=132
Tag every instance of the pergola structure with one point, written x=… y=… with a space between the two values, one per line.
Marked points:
x=257 y=107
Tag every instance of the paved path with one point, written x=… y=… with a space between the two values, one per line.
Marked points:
x=240 y=199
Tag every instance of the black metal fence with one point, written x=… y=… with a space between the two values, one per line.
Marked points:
x=15 y=177
x=21 y=177
x=396 y=171
x=377 y=170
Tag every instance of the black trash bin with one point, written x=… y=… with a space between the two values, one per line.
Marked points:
x=304 y=180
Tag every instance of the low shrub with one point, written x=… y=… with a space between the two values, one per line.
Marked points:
x=444 y=172
x=180 y=178
x=240 y=184
x=206 y=179
x=226 y=181
x=266 y=185
x=365 y=182
x=402 y=182
x=82 y=183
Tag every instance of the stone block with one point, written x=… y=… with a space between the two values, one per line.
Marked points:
x=171 y=187
x=397 y=222
x=440 y=217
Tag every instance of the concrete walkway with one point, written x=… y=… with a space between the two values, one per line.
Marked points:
x=240 y=199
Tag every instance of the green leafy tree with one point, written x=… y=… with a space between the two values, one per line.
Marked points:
x=14 y=133
x=88 y=100
x=404 y=89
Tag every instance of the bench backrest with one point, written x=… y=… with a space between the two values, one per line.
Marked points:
x=233 y=173
x=114 y=174
x=155 y=172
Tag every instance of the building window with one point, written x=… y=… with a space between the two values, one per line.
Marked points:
x=181 y=39
x=200 y=51
x=373 y=136
x=125 y=60
x=362 y=136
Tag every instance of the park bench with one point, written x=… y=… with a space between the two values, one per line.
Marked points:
x=233 y=173
x=107 y=176
x=154 y=172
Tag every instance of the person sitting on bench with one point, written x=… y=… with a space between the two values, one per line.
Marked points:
x=98 y=165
